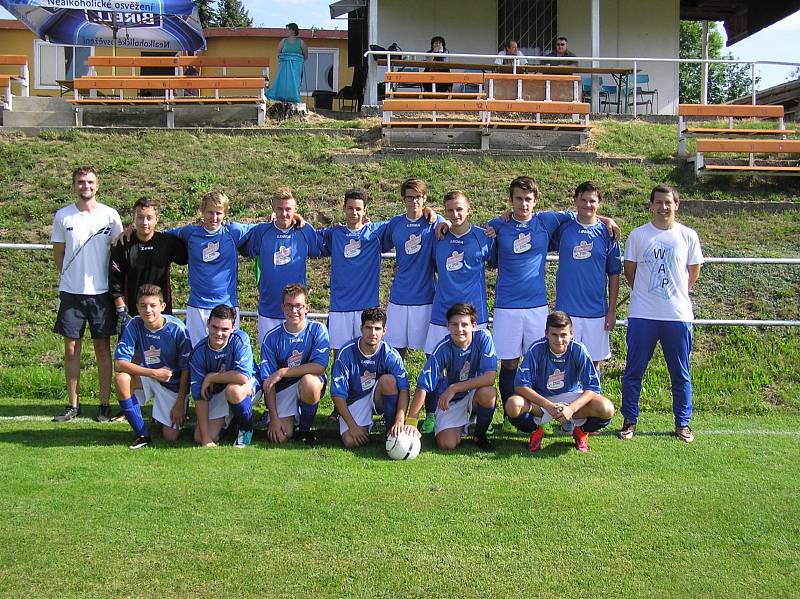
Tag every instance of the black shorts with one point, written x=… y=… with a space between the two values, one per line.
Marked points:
x=74 y=311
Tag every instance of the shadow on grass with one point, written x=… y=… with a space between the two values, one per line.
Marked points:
x=38 y=410
x=66 y=435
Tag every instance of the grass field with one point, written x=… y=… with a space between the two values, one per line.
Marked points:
x=84 y=517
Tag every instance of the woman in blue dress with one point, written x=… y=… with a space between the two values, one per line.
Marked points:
x=292 y=54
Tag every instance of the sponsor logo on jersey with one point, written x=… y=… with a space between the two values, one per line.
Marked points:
x=353 y=248
x=152 y=355
x=414 y=244
x=295 y=360
x=455 y=261
x=522 y=243
x=463 y=374
x=282 y=256
x=211 y=251
x=582 y=251
x=367 y=380
x=556 y=380
x=146 y=248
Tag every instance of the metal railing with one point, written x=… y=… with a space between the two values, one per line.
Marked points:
x=550 y=258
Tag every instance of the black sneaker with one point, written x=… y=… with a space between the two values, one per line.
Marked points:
x=309 y=439
x=139 y=442
x=68 y=414
x=483 y=443
x=104 y=414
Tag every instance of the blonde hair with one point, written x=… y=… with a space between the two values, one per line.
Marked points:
x=282 y=193
x=217 y=199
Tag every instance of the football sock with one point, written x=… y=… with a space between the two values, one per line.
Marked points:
x=506 y=383
x=594 y=424
x=525 y=422
x=133 y=414
x=389 y=409
x=243 y=412
x=483 y=418
x=308 y=411
x=431 y=399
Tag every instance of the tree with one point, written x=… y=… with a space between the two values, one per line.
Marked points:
x=231 y=13
x=725 y=81
x=207 y=13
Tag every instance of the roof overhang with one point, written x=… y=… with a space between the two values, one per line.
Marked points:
x=742 y=18
x=343 y=7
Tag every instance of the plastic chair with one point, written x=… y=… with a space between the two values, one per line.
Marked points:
x=608 y=96
x=644 y=95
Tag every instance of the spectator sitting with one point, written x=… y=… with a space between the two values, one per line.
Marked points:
x=510 y=48
x=561 y=50
x=438 y=46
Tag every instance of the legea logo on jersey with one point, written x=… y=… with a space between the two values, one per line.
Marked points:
x=556 y=380
x=522 y=243
x=152 y=355
x=463 y=374
x=414 y=244
x=282 y=256
x=455 y=261
x=353 y=248
x=582 y=251
x=211 y=251
x=367 y=380
x=295 y=360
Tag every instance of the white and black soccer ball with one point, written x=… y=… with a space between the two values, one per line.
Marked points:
x=402 y=447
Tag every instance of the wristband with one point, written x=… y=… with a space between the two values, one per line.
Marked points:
x=412 y=421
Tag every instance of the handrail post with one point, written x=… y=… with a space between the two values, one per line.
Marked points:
x=635 y=70
x=753 y=80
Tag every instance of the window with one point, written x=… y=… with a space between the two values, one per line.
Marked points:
x=321 y=71
x=531 y=22
x=54 y=62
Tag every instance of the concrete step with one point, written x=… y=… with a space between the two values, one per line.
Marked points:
x=37 y=111
x=39 y=103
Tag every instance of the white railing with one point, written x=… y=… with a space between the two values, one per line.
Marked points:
x=550 y=258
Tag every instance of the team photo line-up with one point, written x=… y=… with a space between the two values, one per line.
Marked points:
x=545 y=364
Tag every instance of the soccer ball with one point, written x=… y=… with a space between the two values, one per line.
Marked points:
x=402 y=447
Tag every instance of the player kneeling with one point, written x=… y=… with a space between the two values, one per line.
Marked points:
x=462 y=370
x=161 y=343
x=294 y=356
x=558 y=381
x=223 y=380
x=369 y=377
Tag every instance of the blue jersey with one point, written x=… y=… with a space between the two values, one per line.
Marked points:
x=237 y=355
x=168 y=347
x=213 y=263
x=456 y=365
x=549 y=375
x=413 y=244
x=587 y=255
x=282 y=349
x=282 y=260
x=354 y=375
x=461 y=274
x=520 y=257
x=355 y=265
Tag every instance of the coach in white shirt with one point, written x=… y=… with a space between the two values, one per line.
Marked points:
x=662 y=262
x=82 y=236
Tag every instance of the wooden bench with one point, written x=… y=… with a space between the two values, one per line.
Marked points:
x=12 y=61
x=728 y=112
x=578 y=110
x=533 y=87
x=745 y=146
x=179 y=63
x=168 y=85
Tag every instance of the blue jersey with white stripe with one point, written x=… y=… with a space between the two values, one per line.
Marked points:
x=587 y=255
x=168 y=347
x=520 y=257
x=213 y=263
x=355 y=265
x=412 y=240
x=283 y=261
x=354 y=375
x=456 y=364
x=461 y=276
x=549 y=375
x=237 y=355
x=282 y=349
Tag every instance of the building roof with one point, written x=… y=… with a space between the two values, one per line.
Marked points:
x=11 y=24
x=742 y=18
x=325 y=34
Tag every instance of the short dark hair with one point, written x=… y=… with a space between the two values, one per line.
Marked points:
x=293 y=290
x=438 y=38
x=414 y=183
x=561 y=38
x=84 y=170
x=147 y=290
x=462 y=309
x=524 y=184
x=376 y=314
x=454 y=195
x=508 y=42
x=664 y=188
x=356 y=193
x=147 y=203
x=558 y=320
x=588 y=186
x=223 y=312
x=293 y=27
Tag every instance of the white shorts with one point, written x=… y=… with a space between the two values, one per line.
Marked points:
x=343 y=326
x=407 y=326
x=456 y=415
x=566 y=398
x=287 y=402
x=265 y=325
x=591 y=332
x=218 y=406
x=197 y=323
x=361 y=410
x=163 y=400
x=437 y=332
x=516 y=329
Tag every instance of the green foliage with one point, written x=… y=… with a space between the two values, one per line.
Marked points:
x=206 y=11
x=725 y=81
x=232 y=13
